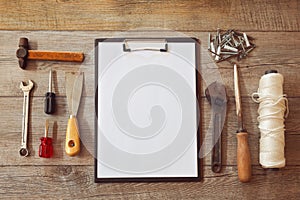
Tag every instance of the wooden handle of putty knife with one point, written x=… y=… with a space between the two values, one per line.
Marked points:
x=72 y=146
x=243 y=157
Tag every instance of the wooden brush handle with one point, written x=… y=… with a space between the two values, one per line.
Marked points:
x=243 y=157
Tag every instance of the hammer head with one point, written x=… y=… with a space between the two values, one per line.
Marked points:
x=22 y=52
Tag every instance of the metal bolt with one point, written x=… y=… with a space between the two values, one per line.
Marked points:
x=229 y=44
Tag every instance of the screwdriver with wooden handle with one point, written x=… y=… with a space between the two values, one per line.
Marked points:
x=243 y=152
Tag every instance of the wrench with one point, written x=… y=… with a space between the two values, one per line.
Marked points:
x=216 y=95
x=26 y=89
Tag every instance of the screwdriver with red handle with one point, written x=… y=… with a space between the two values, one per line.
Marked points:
x=46 y=148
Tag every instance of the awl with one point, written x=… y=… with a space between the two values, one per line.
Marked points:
x=74 y=85
x=243 y=152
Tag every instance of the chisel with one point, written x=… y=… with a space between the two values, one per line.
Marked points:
x=243 y=152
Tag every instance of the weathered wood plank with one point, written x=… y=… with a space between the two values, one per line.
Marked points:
x=12 y=121
x=274 y=25
x=274 y=51
x=65 y=182
x=11 y=118
x=126 y=15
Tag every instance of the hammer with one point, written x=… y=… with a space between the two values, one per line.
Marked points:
x=23 y=54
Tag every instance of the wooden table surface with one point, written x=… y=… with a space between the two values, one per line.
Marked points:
x=72 y=25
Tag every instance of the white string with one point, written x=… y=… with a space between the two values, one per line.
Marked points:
x=273 y=108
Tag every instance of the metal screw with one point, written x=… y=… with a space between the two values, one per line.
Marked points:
x=229 y=44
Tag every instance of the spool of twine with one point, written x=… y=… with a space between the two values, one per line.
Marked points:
x=273 y=109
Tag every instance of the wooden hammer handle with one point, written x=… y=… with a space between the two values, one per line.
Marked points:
x=243 y=157
x=57 y=56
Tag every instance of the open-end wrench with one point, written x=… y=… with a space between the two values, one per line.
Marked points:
x=26 y=89
x=216 y=95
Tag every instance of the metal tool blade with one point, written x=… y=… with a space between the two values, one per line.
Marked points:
x=70 y=78
x=50 y=81
x=76 y=94
x=74 y=84
x=237 y=98
x=46 y=128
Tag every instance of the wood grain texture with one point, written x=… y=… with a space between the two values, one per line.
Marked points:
x=273 y=51
x=75 y=175
x=55 y=56
x=118 y=15
x=11 y=118
x=72 y=25
x=69 y=182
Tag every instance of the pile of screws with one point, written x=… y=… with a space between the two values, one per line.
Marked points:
x=229 y=44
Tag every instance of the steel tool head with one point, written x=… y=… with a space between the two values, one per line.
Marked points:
x=238 y=100
x=22 y=52
x=27 y=87
x=74 y=84
x=76 y=93
x=24 y=152
x=216 y=95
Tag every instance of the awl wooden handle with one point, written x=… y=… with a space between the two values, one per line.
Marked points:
x=243 y=157
x=57 y=56
x=72 y=146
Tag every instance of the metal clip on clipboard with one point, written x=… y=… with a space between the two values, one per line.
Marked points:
x=131 y=45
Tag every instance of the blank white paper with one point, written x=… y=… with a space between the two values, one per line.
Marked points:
x=147 y=112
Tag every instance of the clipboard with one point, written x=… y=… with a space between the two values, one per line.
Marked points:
x=147 y=112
